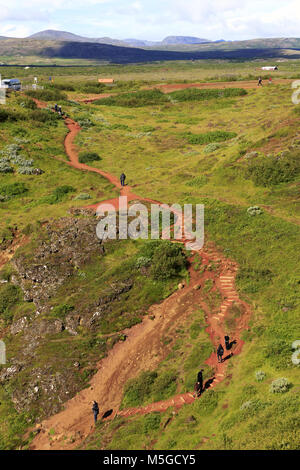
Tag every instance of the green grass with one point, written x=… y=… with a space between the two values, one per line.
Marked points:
x=166 y=148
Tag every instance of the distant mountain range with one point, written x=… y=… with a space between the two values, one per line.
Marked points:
x=51 y=34
x=46 y=46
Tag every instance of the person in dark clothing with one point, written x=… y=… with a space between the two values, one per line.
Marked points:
x=197 y=390
x=200 y=380
x=95 y=410
x=122 y=179
x=227 y=343
x=259 y=82
x=220 y=352
x=55 y=107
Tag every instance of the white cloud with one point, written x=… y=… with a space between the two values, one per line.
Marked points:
x=154 y=19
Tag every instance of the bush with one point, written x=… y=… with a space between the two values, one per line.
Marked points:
x=137 y=390
x=28 y=103
x=58 y=195
x=151 y=422
x=142 y=261
x=280 y=385
x=211 y=147
x=134 y=100
x=61 y=311
x=86 y=157
x=82 y=196
x=165 y=385
x=254 y=210
x=9 y=296
x=197 y=182
x=260 y=375
x=14 y=189
x=47 y=95
x=61 y=86
x=92 y=87
x=207 y=137
x=85 y=122
x=43 y=115
x=168 y=260
x=4 y=115
x=5 y=167
x=271 y=170
x=9 y=115
x=194 y=94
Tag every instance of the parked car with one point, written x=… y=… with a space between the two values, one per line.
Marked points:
x=12 y=83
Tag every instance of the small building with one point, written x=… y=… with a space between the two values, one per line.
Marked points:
x=106 y=80
x=270 y=68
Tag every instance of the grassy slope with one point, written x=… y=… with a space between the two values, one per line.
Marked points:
x=265 y=122
x=165 y=164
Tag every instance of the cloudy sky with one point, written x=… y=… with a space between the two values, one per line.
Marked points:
x=153 y=19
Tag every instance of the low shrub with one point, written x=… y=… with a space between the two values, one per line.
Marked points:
x=142 y=261
x=8 y=115
x=194 y=94
x=168 y=260
x=207 y=137
x=280 y=385
x=210 y=148
x=260 y=375
x=197 y=182
x=14 y=189
x=271 y=170
x=43 y=115
x=28 y=103
x=82 y=196
x=86 y=157
x=85 y=123
x=61 y=311
x=137 y=390
x=134 y=100
x=254 y=210
x=5 y=167
x=9 y=296
x=47 y=95
x=58 y=195
x=151 y=422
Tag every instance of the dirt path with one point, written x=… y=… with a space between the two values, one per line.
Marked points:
x=247 y=85
x=169 y=87
x=143 y=348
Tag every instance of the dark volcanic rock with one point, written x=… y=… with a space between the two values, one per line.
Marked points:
x=66 y=244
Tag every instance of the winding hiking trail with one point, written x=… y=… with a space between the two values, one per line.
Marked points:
x=143 y=348
x=170 y=87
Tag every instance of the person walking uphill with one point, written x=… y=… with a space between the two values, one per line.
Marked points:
x=220 y=352
x=122 y=179
x=200 y=380
x=95 y=410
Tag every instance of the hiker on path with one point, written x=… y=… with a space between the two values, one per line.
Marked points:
x=200 y=380
x=59 y=110
x=122 y=179
x=55 y=107
x=220 y=352
x=95 y=410
x=259 y=82
x=227 y=343
x=197 y=390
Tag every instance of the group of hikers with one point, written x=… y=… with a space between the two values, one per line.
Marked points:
x=260 y=81
x=198 y=388
x=58 y=109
